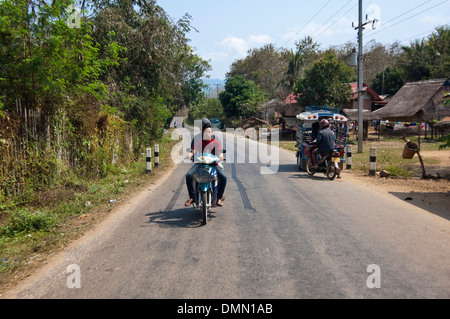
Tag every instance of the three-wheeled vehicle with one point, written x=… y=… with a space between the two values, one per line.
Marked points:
x=308 y=128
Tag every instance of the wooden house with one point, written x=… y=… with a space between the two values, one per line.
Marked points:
x=371 y=100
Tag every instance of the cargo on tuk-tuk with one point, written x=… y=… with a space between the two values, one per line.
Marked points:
x=308 y=126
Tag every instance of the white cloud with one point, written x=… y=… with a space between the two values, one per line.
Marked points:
x=435 y=20
x=217 y=56
x=235 y=45
x=260 y=39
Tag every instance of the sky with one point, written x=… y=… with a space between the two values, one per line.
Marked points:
x=227 y=29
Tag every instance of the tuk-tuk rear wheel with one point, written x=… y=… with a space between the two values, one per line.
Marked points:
x=309 y=169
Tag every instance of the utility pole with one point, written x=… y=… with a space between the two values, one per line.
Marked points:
x=360 y=29
x=360 y=80
x=217 y=85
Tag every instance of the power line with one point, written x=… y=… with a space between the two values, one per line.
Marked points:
x=401 y=15
x=418 y=35
x=384 y=29
x=336 y=19
x=307 y=23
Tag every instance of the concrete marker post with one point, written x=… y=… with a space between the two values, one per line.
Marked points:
x=149 y=160
x=156 y=155
x=373 y=161
x=349 y=157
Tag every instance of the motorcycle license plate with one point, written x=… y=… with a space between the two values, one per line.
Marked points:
x=336 y=160
x=203 y=178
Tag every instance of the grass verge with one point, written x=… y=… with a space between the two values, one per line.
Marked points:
x=56 y=217
x=389 y=157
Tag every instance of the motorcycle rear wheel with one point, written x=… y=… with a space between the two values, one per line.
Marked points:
x=331 y=172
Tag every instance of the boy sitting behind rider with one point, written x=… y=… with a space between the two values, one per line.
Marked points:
x=206 y=144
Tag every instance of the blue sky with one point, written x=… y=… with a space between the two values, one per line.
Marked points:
x=229 y=28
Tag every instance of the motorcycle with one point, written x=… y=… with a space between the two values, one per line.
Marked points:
x=329 y=165
x=205 y=184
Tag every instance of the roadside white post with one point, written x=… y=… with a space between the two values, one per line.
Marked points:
x=373 y=161
x=349 y=157
x=156 y=155
x=149 y=160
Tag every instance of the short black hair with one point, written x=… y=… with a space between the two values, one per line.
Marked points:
x=205 y=126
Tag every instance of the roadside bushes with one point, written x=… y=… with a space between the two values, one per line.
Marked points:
x=27 y=220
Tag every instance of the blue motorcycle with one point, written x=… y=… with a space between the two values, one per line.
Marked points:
x=205 y=184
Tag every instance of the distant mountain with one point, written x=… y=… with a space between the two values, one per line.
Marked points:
x=214 y=86
x=214 y=81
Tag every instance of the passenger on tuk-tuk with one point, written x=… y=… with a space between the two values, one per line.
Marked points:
x=314 y=134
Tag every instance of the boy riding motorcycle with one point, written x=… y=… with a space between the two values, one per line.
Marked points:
x=206 y=144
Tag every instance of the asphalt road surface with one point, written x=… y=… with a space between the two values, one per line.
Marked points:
x=282 y=235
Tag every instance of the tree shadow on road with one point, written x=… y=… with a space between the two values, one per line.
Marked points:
x=181 y=218
x=435 y=203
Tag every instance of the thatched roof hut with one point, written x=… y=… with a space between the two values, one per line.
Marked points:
x=256 y=122
x=418 y=102
x=443 y=125
x=353 y=115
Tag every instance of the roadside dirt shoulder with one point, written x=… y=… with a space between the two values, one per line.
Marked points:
x=428 y=194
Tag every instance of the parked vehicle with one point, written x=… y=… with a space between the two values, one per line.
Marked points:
x=308 y=128
x=215 y=123
x=205 y=184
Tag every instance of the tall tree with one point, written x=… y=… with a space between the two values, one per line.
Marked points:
x=390 y=81
x=159 y=71
x=427 y=58
x=415 y=61
x=264 y=66
x=438 y=44
x=306 y=54
x=241 y=98
x=325 y=84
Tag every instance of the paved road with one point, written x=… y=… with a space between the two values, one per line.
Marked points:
x=285 y=235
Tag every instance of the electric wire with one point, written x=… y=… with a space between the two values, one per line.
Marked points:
x=318 y=12
x=336 y=21
x=384 y=29
x=401 y=15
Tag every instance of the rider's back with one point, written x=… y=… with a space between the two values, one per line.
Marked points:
x=326 y=141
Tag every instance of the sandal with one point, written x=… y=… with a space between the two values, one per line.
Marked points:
x=189 y=202
x=219 y=203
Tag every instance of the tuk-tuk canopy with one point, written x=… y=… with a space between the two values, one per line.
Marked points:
x=316 y=113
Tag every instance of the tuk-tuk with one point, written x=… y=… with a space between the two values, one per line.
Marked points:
x=308 y=128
